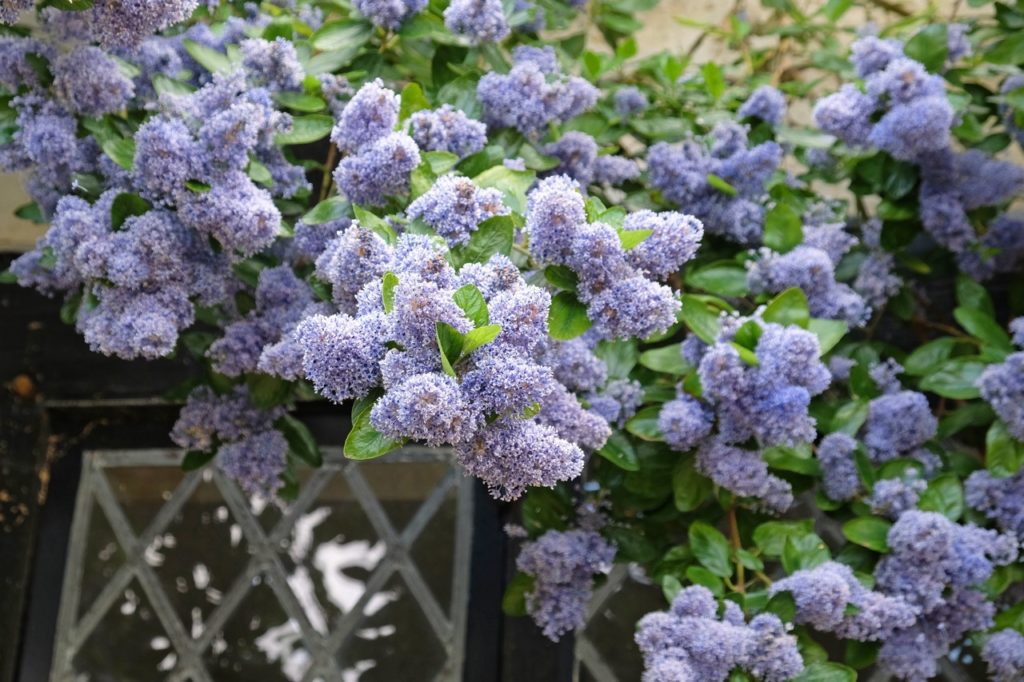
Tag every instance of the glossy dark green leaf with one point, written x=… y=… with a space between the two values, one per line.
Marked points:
x=700 y=318
x=481 y=336
x=868 y=531
x=365 y=442
x=196 y=459
x=644 y=424
x=620 y=451
x=387 y=291
x=124 y=206
x=711 y=548
x=667 y=359
x=472 y=302
x=494 y=235
x=306 y=129
x=930 y=46
x=450 y=342
x=1004 y=455
x=689 y=488
x=300 y=440
x=956 y=378
x=944 y=495
x=724 y=278
x=789 y=307
x=567 y=317
x=783 y=228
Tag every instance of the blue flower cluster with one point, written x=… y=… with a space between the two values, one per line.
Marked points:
x=680 y=171
x=533 y=93
x=563 y=565
x=479 y=402
x=379 y=160
x=766 y=104
x=1004 y=655
x=839 y=471
x=898 y=425
x=248 y=448
x=448 y=130
x=578 y=154
x=936 y=566
x=480 y=21
x=825 y=593
x=389 y=14
x=454 y=207
x=1000 y=499
x=691 y=642
x=1002 y=385
x=614 y=283
x=893 y=496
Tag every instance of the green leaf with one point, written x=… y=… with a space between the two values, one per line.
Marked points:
x=700 y=318
x=721 y=185
x=267 y=391
x=473 y=304
x=930 y=46
x=1009 y=50
x=31 y=212
x=197 y=187
x=365 y=442
x=260 y=173
x=783 y=228
x=494 y=235
x=829 y=333
x=782 y=605
x=711 y=548
x=689 y=488
x=724 y=278
x=387 y=291
x=714 y=81
x=670 y=587
x=328 y=210
x=1004 y=455
x=124 y=206
x=620 y=357
x=770 y=536
x=944 y=495
x=982 y=326
x=698 y=575
x=341 y=35
x=371 y=222
x=567 y=317
x=209 y=58
x=826 y=672
x=561 y=276
x=514 y=184
x=644 y=424
x=440 y=162
x=791 y=459
x=300 y=101
x=513 y=603
x=789 y=307
x=121 y=151
x=929 y=357
x=955 y=378
x=306 y=129
x=868 y=531
x=481 y=336
x=633 y=238
x=413 y=100
x=970 y=294
x=449 y=342
x=300 y=441
x=196 y=459
x=620 y=451
x=667 y=359
x=804 y=551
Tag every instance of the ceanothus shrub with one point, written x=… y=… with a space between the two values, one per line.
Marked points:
x=772 y=362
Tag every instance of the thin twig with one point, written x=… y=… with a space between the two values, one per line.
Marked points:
x=734 y=537
x=325 y=183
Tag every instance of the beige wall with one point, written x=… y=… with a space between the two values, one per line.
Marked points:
x=661 y=31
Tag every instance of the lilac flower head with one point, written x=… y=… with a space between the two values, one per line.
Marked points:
x=634 y=307
x=1000 y=499
x=208 y=419
x=575 y=365
x=610 y=169
x=379 y=171
x=685 y=423
x=454 y=207
x=562 y=565
x=903 y=81
x=235 y=212
x=90 y=82
x=745 y=474
x=370 y=115
x=765 y=103
x=893 y=496
x=1002 y=385
x=255 y=463
x=510 y=455
x=523 y=316
x=554 y=211
x=448 y=130
x=390 y=14
x=629 y=101
x=909 y=130
x=1004 y=655
x=898 y=423
x=840 y=478
x=871 y=54
x=166 y=156
x=428 y=407
x=272 y=64
x=354 y=257
x=674 y=240
x=340 y=354
x=481 y=21
x=577 y=152
x=123 y=23
x=9 y=9
x=530 y=96
x=619 y=401
x=847 y=115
